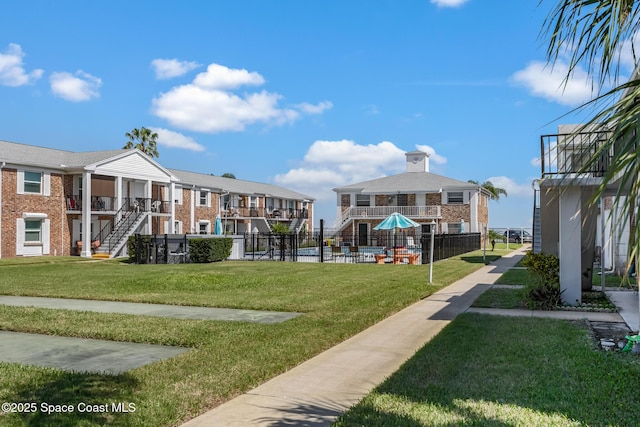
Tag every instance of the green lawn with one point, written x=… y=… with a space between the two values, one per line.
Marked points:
x=495 y=371
x=228 y=358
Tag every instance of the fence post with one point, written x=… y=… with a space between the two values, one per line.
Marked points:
x=321 y=240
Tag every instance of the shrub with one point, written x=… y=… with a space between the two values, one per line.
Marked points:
x=143 y=248
x=209 y=250
x=543 y=293
x=279 y=228
x=545 y=268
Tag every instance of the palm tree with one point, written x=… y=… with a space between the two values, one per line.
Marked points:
x=494 y=192
x=144 y=140
x=593 y=34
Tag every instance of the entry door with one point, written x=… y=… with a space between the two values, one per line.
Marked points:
x=363 y=234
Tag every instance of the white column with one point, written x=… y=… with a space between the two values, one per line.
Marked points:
x=172 y=198
x=570 y=245
x=86 y=215
x=474 y=227
x=148 y=187
x=118 y=201
x=192 y=218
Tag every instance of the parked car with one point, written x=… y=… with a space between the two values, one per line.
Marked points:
x=518 y=236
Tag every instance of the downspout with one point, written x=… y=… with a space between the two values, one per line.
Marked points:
x=1 y=167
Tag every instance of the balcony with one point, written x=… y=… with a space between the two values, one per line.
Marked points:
x=378 y=212
x=571 y=155
x=281 y=214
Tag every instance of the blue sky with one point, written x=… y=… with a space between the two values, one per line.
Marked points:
x=310 y=95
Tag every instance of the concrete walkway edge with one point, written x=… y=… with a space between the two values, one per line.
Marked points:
x=320 y=389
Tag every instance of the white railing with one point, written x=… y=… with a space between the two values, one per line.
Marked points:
x=413 y=212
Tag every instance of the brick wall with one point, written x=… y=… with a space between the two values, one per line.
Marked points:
x=454 y=213
x=14 y=205
x=182 y=212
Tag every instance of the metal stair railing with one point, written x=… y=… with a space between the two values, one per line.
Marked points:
x=111 y=235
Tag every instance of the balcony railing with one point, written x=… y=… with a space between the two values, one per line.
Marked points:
x=284 y=214
x=375 y=212
x=108 y=204
x=581 y=154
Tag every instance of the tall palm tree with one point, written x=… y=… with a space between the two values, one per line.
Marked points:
x=494 y=192
x=144 y=140
x=594 y=34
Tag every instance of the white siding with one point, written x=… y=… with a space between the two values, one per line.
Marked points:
x=133 y=166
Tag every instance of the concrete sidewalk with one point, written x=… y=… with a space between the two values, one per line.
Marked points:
x=320 y=389
x=146 y=309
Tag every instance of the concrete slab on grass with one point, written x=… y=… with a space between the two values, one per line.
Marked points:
x=162 y=310
x=79 y=354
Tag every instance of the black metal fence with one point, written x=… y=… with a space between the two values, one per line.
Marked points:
x=449 y=245
x=159 y=249
x=385 y=247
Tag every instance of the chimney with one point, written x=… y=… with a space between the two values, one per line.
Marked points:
x=417 y=161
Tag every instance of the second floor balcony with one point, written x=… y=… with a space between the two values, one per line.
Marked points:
x=283 y=214
x=575 y=155
x=377 y=212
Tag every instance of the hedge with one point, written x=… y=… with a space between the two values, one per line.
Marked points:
x=209 y=250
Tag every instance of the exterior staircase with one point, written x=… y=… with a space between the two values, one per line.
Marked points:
x=113 y=239
x=296 y=225
x=537 y=240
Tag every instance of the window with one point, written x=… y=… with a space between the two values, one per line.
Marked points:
x=426 y=229
x=33 y=230
x=203 y=227
x=454 y=227
x=363 y=200
x=177 y=227
x=403 y=200
x=204 y=198
x=177 y=195
x=454 y=197
x=33 y=182
x=224 y=201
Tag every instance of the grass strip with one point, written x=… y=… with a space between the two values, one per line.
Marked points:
x=492 y=370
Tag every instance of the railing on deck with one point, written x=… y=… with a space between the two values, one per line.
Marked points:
x=270 y=213
x=562 y=154
x=414 y=212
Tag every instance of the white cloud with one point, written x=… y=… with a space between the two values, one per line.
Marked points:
x=548 y=82
x=315 y=109
x=168 y=68
x=12 y=72
x=173 y=139
x=220 y=77
x=76 y=88
x=449 y=3
x=209 y=105
x=330 y=164
x=513 y=188
x=433 y=156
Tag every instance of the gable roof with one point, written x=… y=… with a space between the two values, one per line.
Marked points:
x=408 y=182
x=31 y=155
x=237 y=186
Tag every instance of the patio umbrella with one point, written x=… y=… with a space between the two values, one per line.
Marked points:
x=217 y=227
x=396 y=220
x=393 y=221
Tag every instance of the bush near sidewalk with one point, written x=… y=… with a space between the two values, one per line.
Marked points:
x=543 y=293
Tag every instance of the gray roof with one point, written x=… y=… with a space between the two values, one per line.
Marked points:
x=32 y=155
x=237 y=186
x=408 y=182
